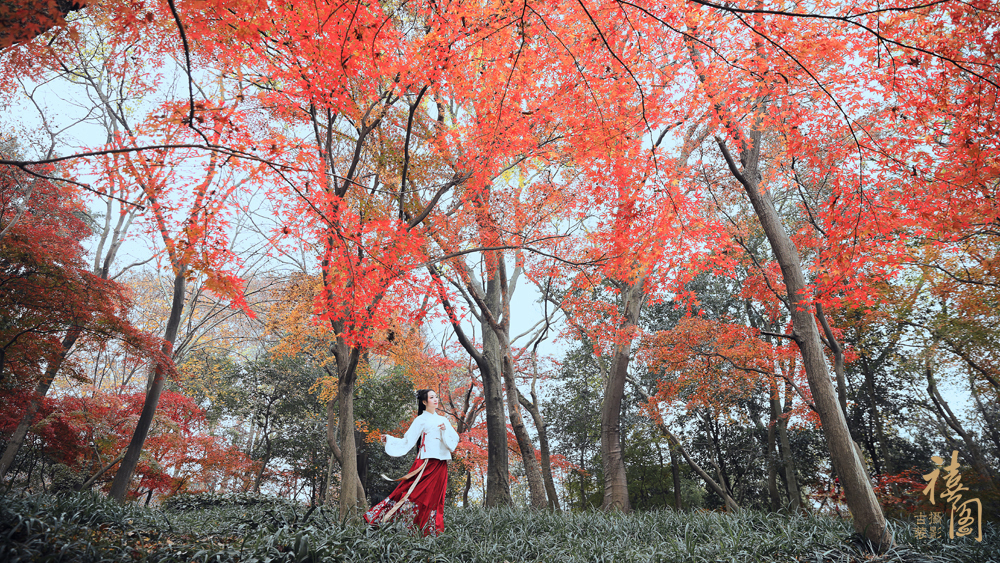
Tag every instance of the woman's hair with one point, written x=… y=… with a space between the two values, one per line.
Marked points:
x=421 y=397
x=421 y=407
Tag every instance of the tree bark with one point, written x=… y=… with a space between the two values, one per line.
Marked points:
x=781 y=412
x=496 y=320
x=532 y=469
x=675 y=470
x=93 y=479
x=975 y=455
x=615 y=482
x=543 y=446
x=489 y=362
x=348 y=453
x=712 y=483
x=869 y=520
x=123 y=477
x=497 y=457
x=772 y=465
x=340 y=433
x=35 y=404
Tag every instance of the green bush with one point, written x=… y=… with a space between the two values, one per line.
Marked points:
x=90 y=528
x=200 y=501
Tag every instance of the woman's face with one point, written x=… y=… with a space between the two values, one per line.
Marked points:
x=432 y=401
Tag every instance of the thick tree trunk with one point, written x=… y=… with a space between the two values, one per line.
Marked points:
x=869 y=520
x=497 y=458
x=35 y=404
x=612 y=461
x=123 y=477
x=352 y=498
x=349 y=456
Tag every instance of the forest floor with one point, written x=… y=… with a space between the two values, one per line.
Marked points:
x=240 y=528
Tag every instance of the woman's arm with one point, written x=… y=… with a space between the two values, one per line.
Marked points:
x=449 y=437
x=397 y=447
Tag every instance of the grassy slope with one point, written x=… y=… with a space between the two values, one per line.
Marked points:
x=89 y=528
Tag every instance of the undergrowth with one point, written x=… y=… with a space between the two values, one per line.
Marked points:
x=89 y=528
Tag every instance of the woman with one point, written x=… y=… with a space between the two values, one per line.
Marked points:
x=421 y=491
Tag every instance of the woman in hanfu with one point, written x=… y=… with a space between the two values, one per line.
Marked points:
x=420 y=492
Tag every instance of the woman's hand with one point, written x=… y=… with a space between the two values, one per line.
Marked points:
x=384 y=438
x=441 y=426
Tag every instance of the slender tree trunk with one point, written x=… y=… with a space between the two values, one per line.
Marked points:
x=772 y=448
x=123 y=477
x=869 y=520
x=465 y=492
x=675 y=470
x=35 y=404
x=93 y=479
x=532 y=469
x=615 y=481
x=543 y=446
x=989 y=418
x=880 y=456
x=331 y=441
x=975 y=455
x=263 y=466
x=712 y=483
x=791 y=480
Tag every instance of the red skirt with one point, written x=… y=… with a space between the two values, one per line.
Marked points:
x=420 y=495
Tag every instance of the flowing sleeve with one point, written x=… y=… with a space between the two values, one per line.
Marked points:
x=397 y=447
x=449 y=437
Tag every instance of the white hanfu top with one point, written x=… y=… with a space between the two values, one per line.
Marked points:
x=437 y=443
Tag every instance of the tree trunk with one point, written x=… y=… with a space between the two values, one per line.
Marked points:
x=975 y=455
x=615 y=482
x=93 y=479
x=263 y=466
x=543 y=445
x=348 y=453
x=123 y=477
x=351 y=497
x=35 y=404
x=869 y=520
x=880 y=455
x=772 y=448
x=791 y=480
x=497 y=460
x=712 y=484
x=675 y=469
x=468 y=485
x=532 y=469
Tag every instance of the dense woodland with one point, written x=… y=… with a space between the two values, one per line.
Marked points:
x=682 y=254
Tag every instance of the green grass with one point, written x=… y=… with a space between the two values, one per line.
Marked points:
x=89 y=528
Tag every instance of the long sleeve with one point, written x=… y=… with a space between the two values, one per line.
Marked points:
x=397 y=447
x=450 y=437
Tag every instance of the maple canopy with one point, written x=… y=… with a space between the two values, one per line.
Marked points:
x=413 y=160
